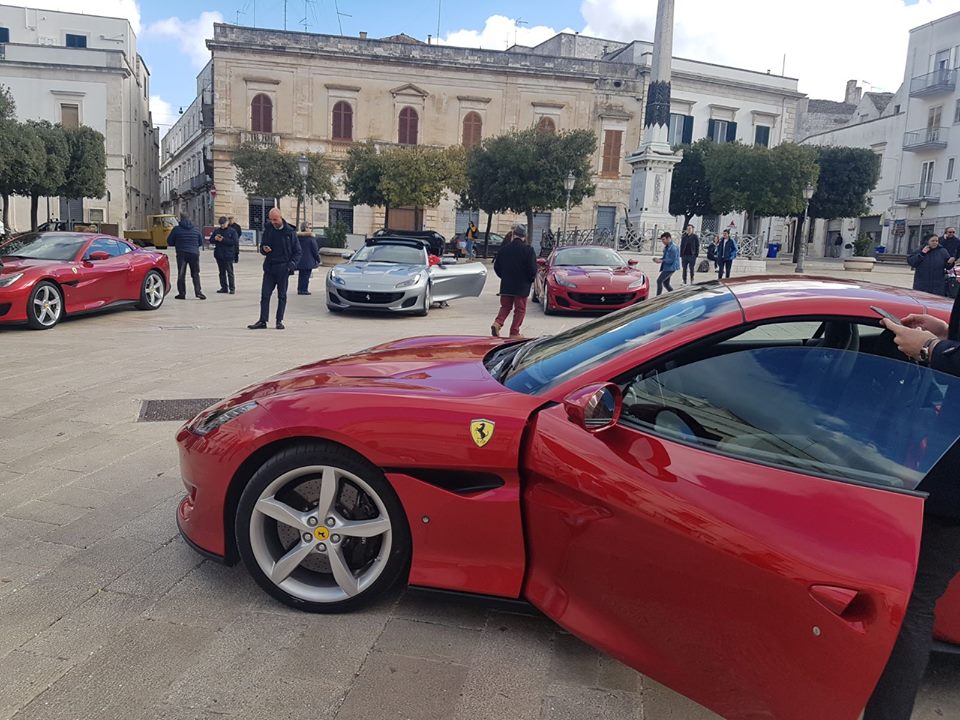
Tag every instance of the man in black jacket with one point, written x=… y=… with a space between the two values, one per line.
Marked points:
x=225 y=242
x=689 y=250
x=281 y=250
x=239 y=231
x=187 y=240
x=931 y=341
x=516 y=266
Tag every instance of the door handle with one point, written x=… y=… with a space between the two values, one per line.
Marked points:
x=852 y=606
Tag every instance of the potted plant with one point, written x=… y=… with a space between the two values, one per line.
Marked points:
x=334 y=241
x=862 y=261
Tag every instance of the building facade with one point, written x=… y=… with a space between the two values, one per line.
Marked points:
x=75 y=70
x=319 y=93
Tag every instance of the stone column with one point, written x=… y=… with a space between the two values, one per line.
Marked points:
x=653 y=162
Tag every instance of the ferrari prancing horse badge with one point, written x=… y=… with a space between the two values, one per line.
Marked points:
x=481 y=431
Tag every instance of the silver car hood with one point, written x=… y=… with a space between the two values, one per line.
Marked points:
x=376 y=275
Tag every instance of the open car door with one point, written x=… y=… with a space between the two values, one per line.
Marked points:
x=449 y=282
x=750 y=543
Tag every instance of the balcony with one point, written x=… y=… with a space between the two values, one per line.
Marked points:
x=936 y=83
x=913 y=194
x=199 y=182
x=260 y=139
x=933 y=138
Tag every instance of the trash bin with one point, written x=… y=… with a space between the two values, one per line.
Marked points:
x=879 y=249
x=773 y=249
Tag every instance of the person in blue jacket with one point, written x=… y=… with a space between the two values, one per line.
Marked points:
x=669 y=263
x=225 y=243
x=726 y=254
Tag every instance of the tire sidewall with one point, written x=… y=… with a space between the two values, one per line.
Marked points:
x=144 y=303
x=323 y=453
x=32 y=320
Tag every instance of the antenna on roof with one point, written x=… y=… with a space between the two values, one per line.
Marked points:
x=306 y=4
x=336 y=6
x=439 y=4
x=516 y=28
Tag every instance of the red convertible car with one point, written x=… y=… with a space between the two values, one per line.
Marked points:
x=45 y=276
x=713 y=486
x=588 y=278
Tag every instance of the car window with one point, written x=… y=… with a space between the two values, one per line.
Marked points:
x=44 y=246
x=588 y=256
x=124 y=248
x=817 y=409
x=781 y=332
x=403 y=254
x=544 y=363
x=111 y=247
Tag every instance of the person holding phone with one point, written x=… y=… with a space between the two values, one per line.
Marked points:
x=225 y=243
x=935 y=343
x=281 y=250
x=930 y=265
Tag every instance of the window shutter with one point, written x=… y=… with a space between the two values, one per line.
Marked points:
x=731 y=132
x=687 y=129
x=712 y=130
x=612 y=143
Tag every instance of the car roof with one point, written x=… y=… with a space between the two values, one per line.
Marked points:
x=407 y=241
x=388 y=232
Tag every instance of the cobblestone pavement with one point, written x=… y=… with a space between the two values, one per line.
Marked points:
x=105 y=613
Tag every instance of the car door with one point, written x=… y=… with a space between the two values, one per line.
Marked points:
x=100 y=282
x=449 y=282
x=747 y=533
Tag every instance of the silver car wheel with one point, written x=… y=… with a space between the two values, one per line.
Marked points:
x=153 y=290
x=47 y=306
x=304 y=543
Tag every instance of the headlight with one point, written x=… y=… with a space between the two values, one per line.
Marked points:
x=8 y=280
x=210 y=421
x=407 y=283
x=638 y=283
x=563 y=280
x=336 y=279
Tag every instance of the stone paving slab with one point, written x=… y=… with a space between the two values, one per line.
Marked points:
x=105 y=613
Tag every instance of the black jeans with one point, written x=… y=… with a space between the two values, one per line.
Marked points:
x=274 y=279
x=939 y=563
x=185 y=261
x=663 y=281
x=723 y=266
x=689 y=262
x=226 y=275
x=303 y=282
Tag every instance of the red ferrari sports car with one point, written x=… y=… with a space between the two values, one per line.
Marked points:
x=44 y=276
x=587 y=277
x=711 y=486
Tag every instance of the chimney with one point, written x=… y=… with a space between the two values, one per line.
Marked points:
x=363 y=34
x=853 y=93
x=429 y=39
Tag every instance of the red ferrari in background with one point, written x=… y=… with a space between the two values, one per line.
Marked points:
x=44 y=276
x=712 y=486
x=588 y=278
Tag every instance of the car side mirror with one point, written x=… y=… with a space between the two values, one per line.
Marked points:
x=98 y=255
x=541 y=262
x=633 y=262
x=596 y=407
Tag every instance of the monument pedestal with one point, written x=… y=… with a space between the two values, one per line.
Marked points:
x=650 y=188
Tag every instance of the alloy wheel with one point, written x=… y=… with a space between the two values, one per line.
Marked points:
x=153 y=290
x=47 y=305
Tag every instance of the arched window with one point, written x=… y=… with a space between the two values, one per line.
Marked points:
x=547 y=125
x=472 y=129
x=261 y=114
x=342 y=121
x=408 y=129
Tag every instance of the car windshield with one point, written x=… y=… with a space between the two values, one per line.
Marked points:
x=588 y=256
x=402 y=254
x=544 y=363
x=36 y=246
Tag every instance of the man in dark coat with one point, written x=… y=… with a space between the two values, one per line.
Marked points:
x=689 y=250
x=516 y=266
x=281 y=250
x=239 y=231
x=187 y=240
x=929 y=265
x=309 y=258
x=951 y=242
x=225 y=243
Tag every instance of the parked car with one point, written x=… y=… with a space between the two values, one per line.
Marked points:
x=400 y=275
x=496 y=242
x=712 y=486
x=588 y=278
x=47 y=275
x=435 y=240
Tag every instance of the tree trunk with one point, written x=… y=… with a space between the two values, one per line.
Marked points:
x=34 y=203
x=686 y=221
x=797 y=238
x=530 y=227
x=486 y=240
x=6 y=212
x=386 y=217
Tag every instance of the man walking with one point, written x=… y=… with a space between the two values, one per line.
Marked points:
x=309 y=258
x=726 y=253
x=689 y=250
x=187 y=240
x=516 y=266
x=225 y=243
x=281 y=250
x=669 y=263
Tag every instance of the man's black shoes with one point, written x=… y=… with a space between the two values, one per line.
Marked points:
x=280 y=326
x=259 y=325
x=179 y=297
x=201 y=296
x=221 y=291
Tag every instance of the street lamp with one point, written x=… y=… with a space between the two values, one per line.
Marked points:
x=303 y=163
x=568 y=184
x=807 y=194
x=923 y=206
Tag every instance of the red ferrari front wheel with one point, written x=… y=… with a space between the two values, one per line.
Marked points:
x=44 y=306
x=320 y=529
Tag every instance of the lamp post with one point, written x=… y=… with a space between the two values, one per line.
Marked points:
x=568 y=184
x=923 y=207
x=807 y=194
x=303 y=163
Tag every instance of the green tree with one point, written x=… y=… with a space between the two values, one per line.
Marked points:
x=689 y=189
x=319 y=179
x=362 y=171
x=7 y=105
x=86 y=174
x=483 y=190
x=265 y=171
x=54 y=175
x=24 y=162
x=791 y=168
x=730 y=170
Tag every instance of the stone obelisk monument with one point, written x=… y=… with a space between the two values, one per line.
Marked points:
x=653 y=162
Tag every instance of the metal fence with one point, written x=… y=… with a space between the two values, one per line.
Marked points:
x=640 y=241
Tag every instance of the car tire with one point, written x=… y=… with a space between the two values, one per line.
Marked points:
x=311 y=575
x=427 y=302
x=44 y=306
x=547 y=309
x=152 y=291
x=534 y=297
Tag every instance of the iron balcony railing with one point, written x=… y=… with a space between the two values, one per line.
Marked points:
x=935 y=83
x=914 y=194
x=927 y=138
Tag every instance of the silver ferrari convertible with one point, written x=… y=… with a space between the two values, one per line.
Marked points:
x=399 y=275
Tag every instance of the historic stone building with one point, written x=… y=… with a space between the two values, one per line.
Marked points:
x=308 y=92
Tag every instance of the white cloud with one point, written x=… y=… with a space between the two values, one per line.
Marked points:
x=164 y=115
x=500 y=32
x=128 y=9
x=191 y=35
x=826 y=42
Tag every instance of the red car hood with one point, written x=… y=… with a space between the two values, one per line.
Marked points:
x=13 y=264
x=599 y=277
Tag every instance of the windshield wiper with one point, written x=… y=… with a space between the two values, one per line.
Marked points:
x=523 y=352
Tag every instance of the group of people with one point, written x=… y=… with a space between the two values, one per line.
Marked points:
x=722 y=252
x=285 y=251
x=934 y=264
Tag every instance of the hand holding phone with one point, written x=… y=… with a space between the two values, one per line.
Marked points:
x=884 y=314
x=266 y=248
